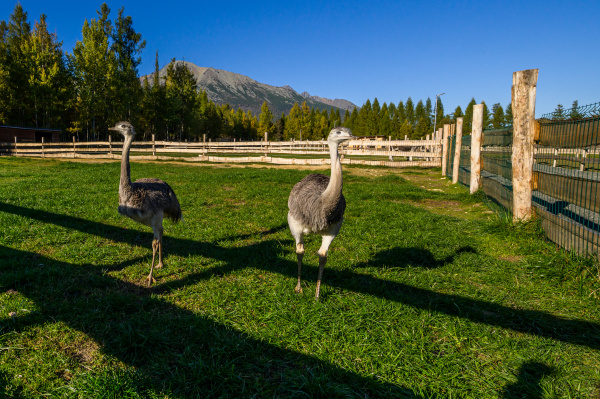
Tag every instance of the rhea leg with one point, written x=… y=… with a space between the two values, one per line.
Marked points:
x=156 y=246
x=299 y=255
x=327 y=239
x=297 y=233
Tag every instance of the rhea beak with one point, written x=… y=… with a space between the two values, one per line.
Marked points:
x=112 y=128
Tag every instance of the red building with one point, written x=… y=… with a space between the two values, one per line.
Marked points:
x=28 y=135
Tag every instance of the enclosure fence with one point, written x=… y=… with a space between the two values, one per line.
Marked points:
x=390 y=153
x=565 y=182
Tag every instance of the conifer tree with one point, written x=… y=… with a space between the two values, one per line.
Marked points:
x=409 y=109
x=5 y=89
x=508 y=116
x=497 y=116
x=468 y=118
x=574 y=112
x=17 y=39
x=265 y=118
x=487 y=118
x=127 y=45
x=94 y=66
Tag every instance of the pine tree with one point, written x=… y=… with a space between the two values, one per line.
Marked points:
x=5 y=89
x=265 y=118
x=17 y=40
x=94 y=66
x=487 y=119
x=127 y=45
x=181 y=96
x=559 y=112
x=439 y=114
x=498 y=118
x=385 y=122
x=508 y=116
x=409 y=109
x=574 y=112
x=280 y=127
x=468 y=118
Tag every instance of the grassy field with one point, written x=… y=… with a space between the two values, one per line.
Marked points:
x=426 y=293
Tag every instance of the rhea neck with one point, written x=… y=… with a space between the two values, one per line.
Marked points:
x=125 y=183
x=334 y=189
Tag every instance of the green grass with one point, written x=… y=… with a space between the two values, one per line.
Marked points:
x=426 y=294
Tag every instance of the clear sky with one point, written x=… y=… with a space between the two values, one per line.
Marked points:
x=359 y=50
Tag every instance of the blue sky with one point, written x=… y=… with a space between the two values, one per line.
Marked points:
x=388 y=50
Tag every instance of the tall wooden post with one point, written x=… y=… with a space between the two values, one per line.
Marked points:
x=455 y=166
x=110 y=154
x=153 y=145
x=523 y=107
x=42 y=146
x=73 y=146
x=445 y=149
x=476 y=148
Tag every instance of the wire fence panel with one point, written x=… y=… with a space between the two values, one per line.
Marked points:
x=496 y=166
x=464 y=167
x=566 y=182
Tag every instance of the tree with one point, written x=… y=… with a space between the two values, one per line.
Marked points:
x=279 y=127
x=18 y=67
x=127 y=45
x=497 y=116
x=487 y=120
x=94 y=66
x=265 y=124
x=468 y=118
x=574 y=113
x=508 y=116
x=181 y=96
x=439 y=113
x=559 y=112
x=409 y=109
x=458 y=113
x=385 y=122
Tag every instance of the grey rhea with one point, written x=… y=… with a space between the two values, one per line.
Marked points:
x=316 y=205
x=146 y=201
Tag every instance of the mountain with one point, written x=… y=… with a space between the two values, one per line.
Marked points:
x=240 y=91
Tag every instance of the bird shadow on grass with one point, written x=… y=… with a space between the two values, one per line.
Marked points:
x=415 y=257
x=528 y=381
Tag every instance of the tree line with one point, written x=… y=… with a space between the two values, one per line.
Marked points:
x=98 y=84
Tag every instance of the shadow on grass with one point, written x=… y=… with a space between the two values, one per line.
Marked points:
x=418 y=257
x=528 y=382
x=175 y=351
x=175 y=348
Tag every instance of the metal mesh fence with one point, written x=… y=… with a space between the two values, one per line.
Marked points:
x=566 y=182
x=496 y=166
x=464 y=169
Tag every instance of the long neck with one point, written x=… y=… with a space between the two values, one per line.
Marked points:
x=333 y=192
x=125 y=183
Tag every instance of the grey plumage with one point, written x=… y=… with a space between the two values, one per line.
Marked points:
x=316 y=205
x=146 y=200
x=307 y=205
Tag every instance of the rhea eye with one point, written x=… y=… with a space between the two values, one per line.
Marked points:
x=338 y=132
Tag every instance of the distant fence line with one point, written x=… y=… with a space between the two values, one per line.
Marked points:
x=390 y=153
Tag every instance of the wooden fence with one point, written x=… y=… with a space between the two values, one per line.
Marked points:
x=390 y=153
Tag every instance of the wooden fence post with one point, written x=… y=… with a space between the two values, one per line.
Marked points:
x=73 y=146
x=153 y=145
x=459 y=127
x=110 y=145
x=16 y=152
x=476 y=148
x=445 y=149
x=42 y=146
x=523 y=106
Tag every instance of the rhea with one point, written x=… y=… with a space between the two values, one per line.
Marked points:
x=146 y=200
x=316 y=205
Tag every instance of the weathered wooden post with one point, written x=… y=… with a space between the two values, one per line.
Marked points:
x=455 y=166
x=110 y=154
x=73 y=146
x=523 y=106
x=445 y=149
x=42 y=146
x=391 y=157
x=153 y=145
x=476 y=148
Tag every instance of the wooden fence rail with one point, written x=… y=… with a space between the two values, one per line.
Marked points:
x=391 y=153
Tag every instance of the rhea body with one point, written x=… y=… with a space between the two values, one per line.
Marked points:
x=316 y=205
x=147 y=201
